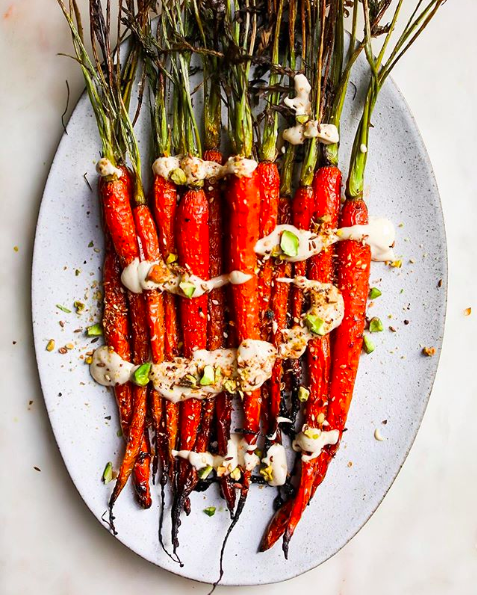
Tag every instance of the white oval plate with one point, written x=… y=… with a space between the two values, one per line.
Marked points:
x=394 y=382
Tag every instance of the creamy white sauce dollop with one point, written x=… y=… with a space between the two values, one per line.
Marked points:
x=109 y=369
x=313 y=440
x=379 y=234
x=105 y=168
x=301 y=103
x=276 y=459
x=164 y=166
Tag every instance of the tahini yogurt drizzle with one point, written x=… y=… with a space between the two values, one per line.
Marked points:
x=137 y=278
x=239 y=454
x=379 y=234
x=244 y=369
x=194 y=169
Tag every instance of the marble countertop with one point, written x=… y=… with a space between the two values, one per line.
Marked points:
x=423 y=538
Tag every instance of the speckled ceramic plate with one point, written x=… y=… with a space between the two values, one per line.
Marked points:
x=393 y=387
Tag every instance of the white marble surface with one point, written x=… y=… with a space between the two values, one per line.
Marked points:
x=423 y=538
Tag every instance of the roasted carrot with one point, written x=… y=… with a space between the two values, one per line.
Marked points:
x=193 y=251
x=115 y=197
x=164 y=208
x=116 y=335
x=327 y=191
x=149 y=250
x=279 y=305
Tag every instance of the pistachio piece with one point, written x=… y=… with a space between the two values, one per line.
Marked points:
x=210 y=511
x=188 y=289
x=303 y=394
x=368 y=345
x=374 y=293
x=289 y=243
x=141 y=375
x=108 y=473
x=96 y=330
x=315 y=324
x=208 y=376
x=375 y=325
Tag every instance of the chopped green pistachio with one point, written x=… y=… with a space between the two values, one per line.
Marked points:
x=79 y=306
x=275 y=251
x=191 y=379
x=289 y=243
x=119 y=433
x=397 y=264
x=178 y=176
x=230 y=386
x=91 y=244
x=315 y=324
x=63 y=309
x=141 y=375
x=208 y=376
x=312 y=433
x=267 y=473
x=218 y=374
x=210 y=511
x=374 y=293
x=171 y=258
x=96 y=330
x=205 y=472
x=302 y=119
x=375 y=325
x=108 y=473
x=368 y=345
x=303 y=394
x=236 y=474
x=188 y=289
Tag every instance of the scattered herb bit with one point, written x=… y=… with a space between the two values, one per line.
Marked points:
x=188 y=289
x=208 y=376
x=429 y=351
x=108 y=473
x=467 y=311
x=63 y=309
x=315 y=324
x=205 y=472
x=15 y=248
x=77 y=272
x=79 y=306
x=119 y=433
x=402 y=291
x=303 y=394
x=96 y=330
x=396 y=264
x=374 y=293
x=50 y=345
x=375 y=325
x=141 y=375
x=91 y=244
x=289 y=243
x=210 y=511
x=368 y=345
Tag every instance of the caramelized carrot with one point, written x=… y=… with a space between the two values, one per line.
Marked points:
x=164 y=207
x=115 y=197
x=193 y=250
